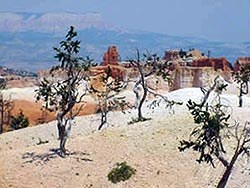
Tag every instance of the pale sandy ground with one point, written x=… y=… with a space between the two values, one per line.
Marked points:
x=150 y=147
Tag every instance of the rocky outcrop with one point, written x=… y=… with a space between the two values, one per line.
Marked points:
x=117 y=71
x=196 y=54
x=21 y=83
x=171 y=55
x=216 y=63
x=241 y=61
x=111 y=56
x=186 y=76
x=183 y=58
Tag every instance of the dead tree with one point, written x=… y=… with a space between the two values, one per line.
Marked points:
x=213 y=128
x=148 y=66
x=61 y=93
x=107 y=96
x=242 y=77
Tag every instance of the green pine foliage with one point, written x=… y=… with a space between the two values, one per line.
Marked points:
x=19 y=121
x=207 y=137
x=121 y=172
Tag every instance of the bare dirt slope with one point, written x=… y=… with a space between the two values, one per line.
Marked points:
x=24 y=100
x=28 y=157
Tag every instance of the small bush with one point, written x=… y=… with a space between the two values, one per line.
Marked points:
x=19 y=121
x=121 y=172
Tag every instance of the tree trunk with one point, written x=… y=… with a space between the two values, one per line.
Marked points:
x=2 y=121
x=225 y=177
x=204 y=100
x=240 y=98
x=65 y=135
x=103 y=119
x=223 y=181
x=136 y=92
x=145 y=92
x=104 y=108
x=2 y=113
x=240 y=101
x=61 y=133
x=59 y=124
x=63 y=140
x=243 y=91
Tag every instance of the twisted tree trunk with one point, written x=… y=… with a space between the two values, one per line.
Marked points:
x=145 y=91
x=62 y=131
x=144 y=96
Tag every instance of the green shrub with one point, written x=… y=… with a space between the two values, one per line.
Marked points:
x=19 y=121
x=121 y=172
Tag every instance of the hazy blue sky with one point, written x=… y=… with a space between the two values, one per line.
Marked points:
x=221 y=20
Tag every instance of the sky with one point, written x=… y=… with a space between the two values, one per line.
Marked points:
x=216 y=20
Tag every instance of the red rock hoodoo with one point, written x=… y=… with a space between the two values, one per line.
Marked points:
x=111 y=56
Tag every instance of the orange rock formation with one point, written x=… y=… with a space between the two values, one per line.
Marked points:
x=216 y=63
x=171 y=55
x=241 y=61
x=111 y=56
x=117 y=71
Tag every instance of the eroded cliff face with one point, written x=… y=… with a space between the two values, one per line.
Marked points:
x=116 y=71
x=216 y=63
x=186 y=76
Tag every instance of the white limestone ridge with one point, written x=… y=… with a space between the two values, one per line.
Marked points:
x=49 y=22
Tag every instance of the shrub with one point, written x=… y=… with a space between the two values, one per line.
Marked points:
x=121 y=172
x=19 y=121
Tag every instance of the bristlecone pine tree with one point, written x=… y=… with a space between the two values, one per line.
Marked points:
x=61 y=92
x=208 y=138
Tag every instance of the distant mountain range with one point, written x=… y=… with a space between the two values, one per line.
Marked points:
x=9 y=71
x=27 y=39
x=49 y=22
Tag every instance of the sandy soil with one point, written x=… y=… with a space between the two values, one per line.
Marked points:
x=28 y=157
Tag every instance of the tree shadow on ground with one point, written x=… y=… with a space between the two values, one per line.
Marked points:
x=32 y=157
